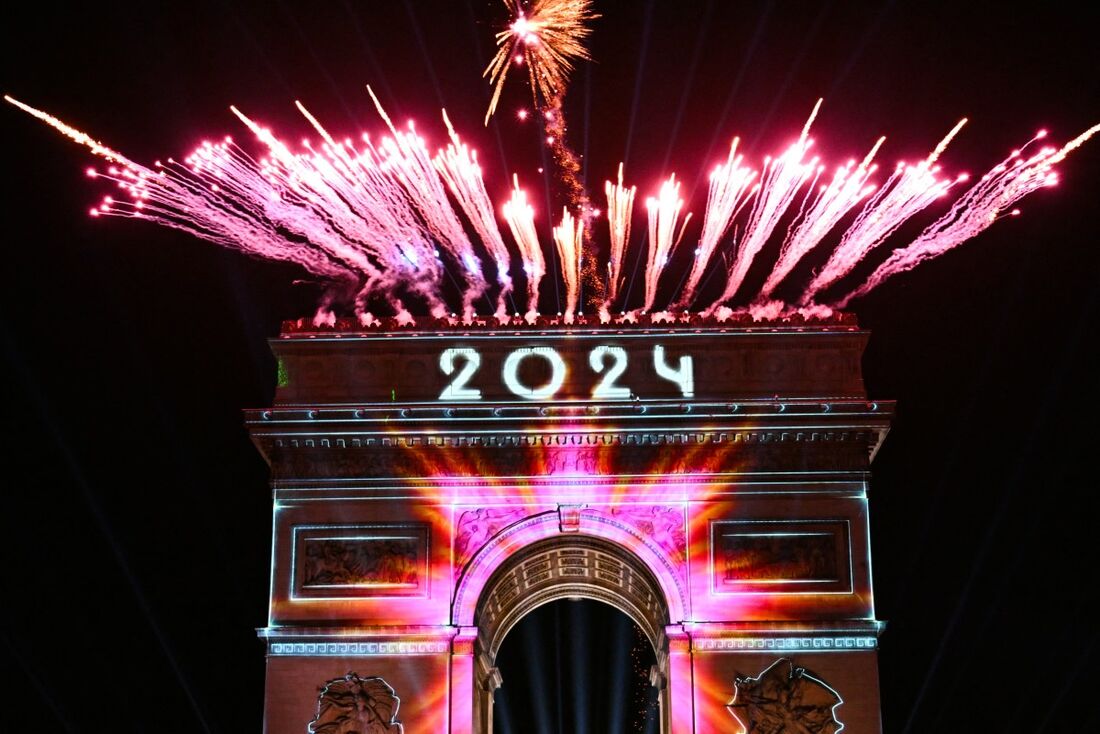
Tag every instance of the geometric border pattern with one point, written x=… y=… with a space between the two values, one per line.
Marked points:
x=787 y=643
x=359 y=648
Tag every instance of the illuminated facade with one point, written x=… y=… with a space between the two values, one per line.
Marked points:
x=432 y=487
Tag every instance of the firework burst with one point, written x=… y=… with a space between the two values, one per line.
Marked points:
x=547 y=39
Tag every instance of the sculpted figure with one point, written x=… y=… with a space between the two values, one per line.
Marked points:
x=354 y=705
x=785 y=699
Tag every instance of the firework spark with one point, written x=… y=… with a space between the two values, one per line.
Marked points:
x=620 y=205
x=664 y=212
x=569 y=238
x=410 y=163
x=833 y=202
x=547 y=40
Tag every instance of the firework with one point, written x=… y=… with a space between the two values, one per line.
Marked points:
x=910 y=189
x=569 y=238
x=367 y=218
x=730 y=189
x=620 y=205
x=977 y=209
x=547 y=40
x=459 y=167
x=521 y=220
x=780 y=181
x=664 y=212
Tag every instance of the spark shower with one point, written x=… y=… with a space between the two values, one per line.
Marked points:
x=384 y=222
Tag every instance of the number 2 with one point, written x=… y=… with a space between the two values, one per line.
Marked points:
x=607 y=387
x=457 y=390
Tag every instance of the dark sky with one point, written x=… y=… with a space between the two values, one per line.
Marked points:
x=136 y=517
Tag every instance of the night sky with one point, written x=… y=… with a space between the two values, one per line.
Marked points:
x=136 y=519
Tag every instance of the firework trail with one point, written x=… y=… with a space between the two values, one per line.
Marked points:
x=459 y=168
x=548 y=39
x=360 y=220
x=569 y=238
x=347 y=202
x=352 y=207
x=521 y=220
x=779 y=183
x=198 y=198
x=410 y=163
x=730 y=189
x=832 y=203
x=620 y=205
x=977 y=209
x=909 y=190
x=664 y=212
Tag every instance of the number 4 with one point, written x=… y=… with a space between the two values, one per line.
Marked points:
x=683 y=375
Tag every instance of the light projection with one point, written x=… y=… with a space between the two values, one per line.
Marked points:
x=609 y=361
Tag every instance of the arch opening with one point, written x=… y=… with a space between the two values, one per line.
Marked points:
x=576 y=665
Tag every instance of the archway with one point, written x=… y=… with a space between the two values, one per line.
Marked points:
x=565 y=567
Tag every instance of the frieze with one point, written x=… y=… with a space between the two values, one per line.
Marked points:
x=337 y=649
x=808 y=644
x=451 y=456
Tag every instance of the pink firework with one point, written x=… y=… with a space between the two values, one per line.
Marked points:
x=374 y=220
x=977 y=209
x=779 y=184
x=911 y=189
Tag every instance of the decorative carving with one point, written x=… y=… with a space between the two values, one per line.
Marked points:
x=784 y=699
x=354 y=705
x=347 y=561
x=661 y=525
x=512 y=455
x=478 y=527
x=569 y=518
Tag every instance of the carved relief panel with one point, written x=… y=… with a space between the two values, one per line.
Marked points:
x=332 y=561
x=781 y=556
